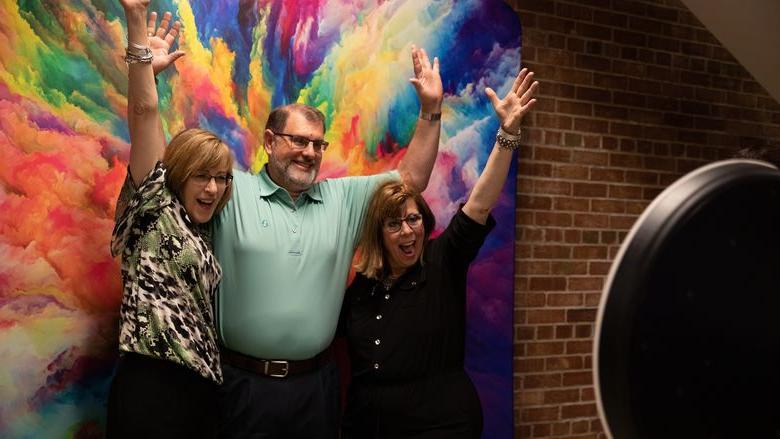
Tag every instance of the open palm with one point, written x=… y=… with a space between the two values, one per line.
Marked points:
x=427 y=81
x=519 y=101
x=161 y=39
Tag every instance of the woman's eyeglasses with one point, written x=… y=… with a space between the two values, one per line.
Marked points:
x=413 y=220
x=202 y=179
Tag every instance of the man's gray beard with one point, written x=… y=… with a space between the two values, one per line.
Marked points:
x=288 y=179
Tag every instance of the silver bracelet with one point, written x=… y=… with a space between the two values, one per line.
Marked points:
x=137 y=53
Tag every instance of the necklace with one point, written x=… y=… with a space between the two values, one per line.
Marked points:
x=388 y=281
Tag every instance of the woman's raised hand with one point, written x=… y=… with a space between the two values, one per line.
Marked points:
x=161 y=38
x=427 y=81
x=519 y=101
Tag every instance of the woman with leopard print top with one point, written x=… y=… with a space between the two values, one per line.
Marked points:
x=169 y=368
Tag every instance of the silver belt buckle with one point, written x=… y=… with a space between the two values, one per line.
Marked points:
x=277 y=375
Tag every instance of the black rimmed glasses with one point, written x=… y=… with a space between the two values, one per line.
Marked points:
x=302 y=142
x=413 y=220
x=204 y=178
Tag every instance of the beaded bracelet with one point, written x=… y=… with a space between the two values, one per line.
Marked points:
x=508 y=141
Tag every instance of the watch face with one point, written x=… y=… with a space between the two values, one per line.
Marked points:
x=688 y=329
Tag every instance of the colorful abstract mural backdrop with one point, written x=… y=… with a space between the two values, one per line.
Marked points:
x=64 y=146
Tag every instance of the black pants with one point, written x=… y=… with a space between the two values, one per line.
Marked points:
x=152 y=398
x=258 y=407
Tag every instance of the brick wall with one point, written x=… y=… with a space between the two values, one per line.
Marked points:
x=633 y=95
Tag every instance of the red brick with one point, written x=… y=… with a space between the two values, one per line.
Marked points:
x=572 y=362
x=585 y=283
x=583 y=331
x=574 y=107
x=608 y=206
x=571 y=204
x=577 y=378
x=590 y=157
x=569 y=267
x=579 y=347
x=578 y=427
x=546 y=316
x=561 y=396
x=551 y=252
x=607 y=174
x=589 y=252
x=581 y=315
x=538 y=414
x=545 y=332
x=552 y=187
x=598 y=268
x=589 y=190
x=547 y=283
x=561 y=428
x=532 y=300
x=542 y=430
x=564 y=331
x=578 y=411
x=570 y=172
x=542 y=381
x=593 y=221
x=552 y=219
x=562 y=299
x=530 y=365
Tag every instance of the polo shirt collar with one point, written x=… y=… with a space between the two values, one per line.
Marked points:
x=267 y=186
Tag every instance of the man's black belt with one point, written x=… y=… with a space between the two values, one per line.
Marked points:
x=276 y=368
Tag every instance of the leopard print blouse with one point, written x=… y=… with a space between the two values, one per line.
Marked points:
x=169 y=277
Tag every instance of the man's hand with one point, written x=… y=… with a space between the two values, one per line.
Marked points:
x=519 y=101
x=427 y=81
x=161 y=39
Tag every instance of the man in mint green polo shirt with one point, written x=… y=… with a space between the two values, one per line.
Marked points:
x=285 y=244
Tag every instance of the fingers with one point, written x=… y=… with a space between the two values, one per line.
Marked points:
x=176 y=55
x=416 y=62
x=173 y=33
x=426 y=63
x=528 y=94
x=519 y=80
x=151 y=24
x=436 y=64
x=164 y=23
x=492 y=96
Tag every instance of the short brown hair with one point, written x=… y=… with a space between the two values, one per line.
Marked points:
x=278 y=117
x=193 y=150
x=387 y=202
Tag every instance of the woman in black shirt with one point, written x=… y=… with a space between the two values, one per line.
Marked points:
x=404 y=315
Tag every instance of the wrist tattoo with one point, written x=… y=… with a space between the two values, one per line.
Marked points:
x=139 y=109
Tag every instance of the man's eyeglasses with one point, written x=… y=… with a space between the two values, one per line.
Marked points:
x=413 y=220
x=301 y=142
x=202 y=179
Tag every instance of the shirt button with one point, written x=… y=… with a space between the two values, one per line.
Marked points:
x=295 y=230
x=379 y=316
x=414 y=284
x=377 y=341
x=387 y=296
x=376 y=366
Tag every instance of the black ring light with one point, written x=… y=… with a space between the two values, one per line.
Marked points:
x=688 y=329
